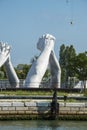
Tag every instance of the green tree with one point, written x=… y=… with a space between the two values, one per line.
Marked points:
x=3 y=72
x=62 y=62
x=22 y=70
x=67 y=55
x=80 y=64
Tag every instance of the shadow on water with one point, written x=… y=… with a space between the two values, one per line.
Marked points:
x=28 y=125
x=43 y=125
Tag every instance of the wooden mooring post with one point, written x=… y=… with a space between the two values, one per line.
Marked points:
x=54 y=106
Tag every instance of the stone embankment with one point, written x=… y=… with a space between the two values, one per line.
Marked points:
x=40 y=109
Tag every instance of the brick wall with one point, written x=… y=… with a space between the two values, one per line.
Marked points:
x=28 y=109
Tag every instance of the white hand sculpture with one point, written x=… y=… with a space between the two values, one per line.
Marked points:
x=6 y=61
x=55 y=71
x=38 y=69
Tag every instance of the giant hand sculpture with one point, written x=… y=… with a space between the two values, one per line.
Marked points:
x=6 y=61
x=38 y=69
x=45 y=45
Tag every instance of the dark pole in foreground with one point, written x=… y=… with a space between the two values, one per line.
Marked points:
x=54 y=105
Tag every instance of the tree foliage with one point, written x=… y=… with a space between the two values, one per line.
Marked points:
x=3 y=73
x=67 y=55
x=22 y=70
x=80 y=64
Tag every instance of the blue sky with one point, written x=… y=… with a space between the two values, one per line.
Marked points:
x=22 y=22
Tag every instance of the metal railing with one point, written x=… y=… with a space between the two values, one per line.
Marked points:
x=5 y=85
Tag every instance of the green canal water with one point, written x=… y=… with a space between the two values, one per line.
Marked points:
x=43 y=125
